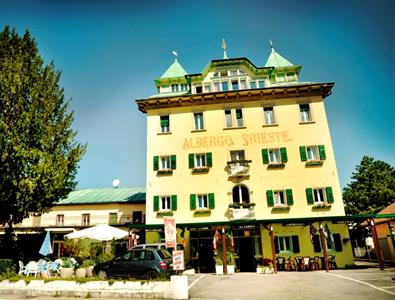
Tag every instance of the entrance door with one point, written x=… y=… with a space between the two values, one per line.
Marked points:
x=246 y=254
x=206 y=260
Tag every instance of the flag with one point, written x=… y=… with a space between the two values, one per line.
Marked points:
x=170 y=232
x=329 y=235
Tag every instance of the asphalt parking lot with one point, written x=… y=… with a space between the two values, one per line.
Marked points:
x=361 y=284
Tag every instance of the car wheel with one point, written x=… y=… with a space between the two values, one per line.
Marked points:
x=152 y=275
x=102 y=274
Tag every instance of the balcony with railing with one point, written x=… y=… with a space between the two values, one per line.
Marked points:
x=238 y=168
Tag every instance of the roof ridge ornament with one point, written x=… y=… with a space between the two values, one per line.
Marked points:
x=271 y=44
x=175 y=54
x=224 y=46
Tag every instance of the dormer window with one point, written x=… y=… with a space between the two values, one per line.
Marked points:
x=174 y=87
x=233 y=72
x=224 y=73
x=290 y=76
x=280 y=78
x=184 y=87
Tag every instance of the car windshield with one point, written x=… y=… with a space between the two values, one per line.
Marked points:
x=164 y=254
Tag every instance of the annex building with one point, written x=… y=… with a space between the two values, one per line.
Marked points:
x=247 y=149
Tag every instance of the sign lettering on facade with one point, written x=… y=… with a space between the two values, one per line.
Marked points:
x=242 y=213
x=256 y=138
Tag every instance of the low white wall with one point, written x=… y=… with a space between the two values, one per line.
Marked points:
x=176 y=288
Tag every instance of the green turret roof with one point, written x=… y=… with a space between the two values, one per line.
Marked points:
x=175 y=70
x=276 y=60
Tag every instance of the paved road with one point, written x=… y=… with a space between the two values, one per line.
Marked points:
x=361 y=284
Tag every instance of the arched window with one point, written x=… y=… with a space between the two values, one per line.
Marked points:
x=240 y=194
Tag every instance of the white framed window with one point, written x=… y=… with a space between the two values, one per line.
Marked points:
x=200 y=160
x=198 y=121
x=184 y=87
x=164 y=124
x=165 y=203
x=274 y=156
x=268 y=113
x=236 y=155
x=284 y=243
x=207 y=88
x=202 y=201
x=85 y=219
x=305 y=113
x=59 y=220
x=319 y=195
x=233 y=72
x=261 y=84
x=223 y=73
x=279 y=198
x=216 y=86
x=165 y=162
x=174 y=87
x=234 y=118
x=290 y=76
x=235 y=85
x=224 y=86
x=243 y=84
x=312 y=153
x=252 y=85
x=280 y=78
x=199 y=89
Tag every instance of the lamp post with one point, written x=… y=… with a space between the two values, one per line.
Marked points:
x=224 y=250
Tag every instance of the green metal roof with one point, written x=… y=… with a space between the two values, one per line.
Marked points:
x=105 y=196
x=276 y=60
x=175 y=70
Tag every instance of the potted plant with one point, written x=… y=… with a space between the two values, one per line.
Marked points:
x=230 y=263
x=88 y=265
x=80 y=271
x=219 y=265
x=67 y=268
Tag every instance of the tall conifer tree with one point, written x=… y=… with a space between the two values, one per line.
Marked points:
x=38 y=152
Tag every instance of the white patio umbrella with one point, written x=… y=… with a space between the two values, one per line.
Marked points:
x=101 y=232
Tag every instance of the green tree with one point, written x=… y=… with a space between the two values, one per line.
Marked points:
x=38 y=152
x=372 y=187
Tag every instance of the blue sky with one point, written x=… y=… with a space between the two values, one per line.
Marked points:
x=110 y=52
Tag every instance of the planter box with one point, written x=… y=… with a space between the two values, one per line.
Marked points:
x=66 y=272
x=219 y=270
x=231 y=269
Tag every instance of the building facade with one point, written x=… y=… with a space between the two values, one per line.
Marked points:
x=243 y=148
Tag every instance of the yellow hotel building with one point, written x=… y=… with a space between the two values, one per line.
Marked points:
x=247 y=148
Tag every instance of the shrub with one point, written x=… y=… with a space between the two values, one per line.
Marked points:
x=6 y=265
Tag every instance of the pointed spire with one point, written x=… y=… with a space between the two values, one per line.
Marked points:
x=175 y=69
x=224 y=46
x=275 y=59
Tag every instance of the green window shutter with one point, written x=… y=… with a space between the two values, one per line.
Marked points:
x=156 y=163
x=316 y=243
x=211 y=202
x=329 y=194
x=276 y=246
x=290 y=198
x=265 y=156
x=209 y=157
x=284 y=156
x=173 y=202
x=191 y=160
x=269 y=196
x=238 y=114
x=295 y=244
x=173 y=162
x=192 y=201
x=303 y=153
x=338 y=242
x=156 y=203
x=321 y=149
x=164 y=122
x=309 y=195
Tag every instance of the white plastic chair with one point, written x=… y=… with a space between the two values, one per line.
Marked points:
x=22 y=268
x=32 y=269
